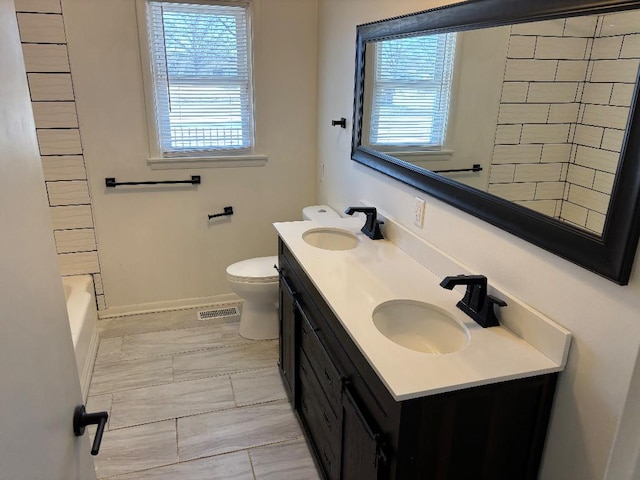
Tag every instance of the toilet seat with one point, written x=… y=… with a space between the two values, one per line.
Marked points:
x=254 y=270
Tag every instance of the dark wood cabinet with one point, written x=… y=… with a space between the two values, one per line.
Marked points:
x=288 y=328
x=362 y=455
x=358 y=431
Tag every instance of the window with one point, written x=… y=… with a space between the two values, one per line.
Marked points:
x=201 y=75
x=411 y=92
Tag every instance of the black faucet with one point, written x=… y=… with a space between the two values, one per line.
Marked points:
x=371 y=227
x=476 y=303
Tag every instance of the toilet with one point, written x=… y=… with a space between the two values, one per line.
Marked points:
x=256 y=281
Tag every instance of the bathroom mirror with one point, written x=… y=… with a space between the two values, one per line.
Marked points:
x=520 y=113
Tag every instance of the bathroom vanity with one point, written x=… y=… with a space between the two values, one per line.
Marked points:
x=373 y=409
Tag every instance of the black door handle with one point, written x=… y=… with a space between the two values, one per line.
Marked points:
x=81 y=419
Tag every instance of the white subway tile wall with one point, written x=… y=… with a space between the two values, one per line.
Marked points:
x=59 y=141
x=564 y=108
x=621 y=70
x=630 y=46
x=553 y=28
x=597 y=159
x=546 y=207
x=542 y=172
x=63 y=167
x=549 y=190
x=555 y=153
x=563 y=112
x=508 y=134
x=580 y=27
x=502 y=173
x=71 y=241
x=55 y=114
x=38 y=6
x=552 y=92
x=38 y=28
x=515 y=92
x=50 y=87
x=39 y=57
x=79 y=263
x=42 y=33
x=595 y=221
x=516 y=154
x=582 y=176
x=606 y=48
x=573 y=213
x=603 y=182
x=73 y=192
x=514 y=191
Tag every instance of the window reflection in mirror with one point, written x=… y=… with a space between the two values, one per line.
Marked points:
x=410 y=92
x=543 y=107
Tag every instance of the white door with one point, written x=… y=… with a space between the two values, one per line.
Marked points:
x=39 y=385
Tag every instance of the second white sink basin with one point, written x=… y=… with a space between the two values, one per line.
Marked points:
x=330 y=239
x=420 y=326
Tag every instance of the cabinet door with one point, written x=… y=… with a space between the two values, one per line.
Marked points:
x=361 y=454
x=288 y=312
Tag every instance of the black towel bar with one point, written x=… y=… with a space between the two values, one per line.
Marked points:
x=476 y=168
x=111 y=182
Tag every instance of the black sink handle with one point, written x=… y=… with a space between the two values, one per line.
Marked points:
x=81 y=419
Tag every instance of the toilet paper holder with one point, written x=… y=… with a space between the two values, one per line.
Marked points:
x=227 y=212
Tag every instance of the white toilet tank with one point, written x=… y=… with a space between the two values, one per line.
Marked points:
x=319 y=213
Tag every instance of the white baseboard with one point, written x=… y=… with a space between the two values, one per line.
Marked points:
x=170 y=305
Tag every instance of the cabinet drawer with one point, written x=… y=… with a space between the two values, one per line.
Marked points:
x=328 y=376
x=323 y=425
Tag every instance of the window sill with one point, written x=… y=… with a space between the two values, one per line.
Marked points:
x=253 y=160
x=419 y=153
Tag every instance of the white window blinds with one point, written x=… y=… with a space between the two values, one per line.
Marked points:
x=200 y=55
x=411 y=91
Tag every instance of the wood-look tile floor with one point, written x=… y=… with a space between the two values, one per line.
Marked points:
x=192 y=400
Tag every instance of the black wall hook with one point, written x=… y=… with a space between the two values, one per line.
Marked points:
x=227 y=211
x=342 y=122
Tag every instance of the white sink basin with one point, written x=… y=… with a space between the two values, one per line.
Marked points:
x=330 y=239
x=420 y=326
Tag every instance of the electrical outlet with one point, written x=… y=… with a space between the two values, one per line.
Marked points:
x=418 y=212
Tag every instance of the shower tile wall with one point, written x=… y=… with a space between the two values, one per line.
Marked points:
x=42 y=34
x=565 y=102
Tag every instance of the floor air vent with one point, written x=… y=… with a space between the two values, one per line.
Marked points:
x=218 y=313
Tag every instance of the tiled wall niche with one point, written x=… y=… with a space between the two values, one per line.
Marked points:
x=565 y=103
x=42 y=33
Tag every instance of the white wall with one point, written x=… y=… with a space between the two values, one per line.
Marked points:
x=603 y=317
x=156 y=244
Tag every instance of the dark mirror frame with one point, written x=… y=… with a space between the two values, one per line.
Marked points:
x=610 y=255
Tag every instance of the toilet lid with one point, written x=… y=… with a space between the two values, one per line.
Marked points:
x=255 y=269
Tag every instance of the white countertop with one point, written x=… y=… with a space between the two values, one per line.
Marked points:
x=353 y=282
